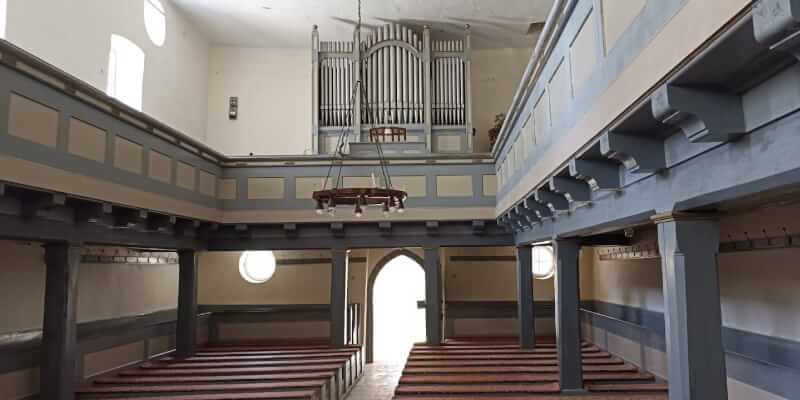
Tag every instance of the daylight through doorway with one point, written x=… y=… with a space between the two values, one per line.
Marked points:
x=399 y=322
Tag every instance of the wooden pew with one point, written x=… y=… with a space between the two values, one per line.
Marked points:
x=271 y=371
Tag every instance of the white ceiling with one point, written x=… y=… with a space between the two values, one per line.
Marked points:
x=288 y=23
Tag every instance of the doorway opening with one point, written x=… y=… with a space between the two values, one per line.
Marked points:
x=398 y=320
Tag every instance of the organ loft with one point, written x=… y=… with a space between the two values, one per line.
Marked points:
x=429 y=200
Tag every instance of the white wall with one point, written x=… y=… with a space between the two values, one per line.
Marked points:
x=274 y=90
x=104 y=291
x=74 y=35
x=495 y=76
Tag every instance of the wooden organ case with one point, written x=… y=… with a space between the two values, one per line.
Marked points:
x=409 y=81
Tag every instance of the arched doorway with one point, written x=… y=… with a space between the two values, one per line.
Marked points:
x=394 y=320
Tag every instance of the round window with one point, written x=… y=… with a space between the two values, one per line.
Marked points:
x=155 y=21
x=544 y=266
x=257 y=266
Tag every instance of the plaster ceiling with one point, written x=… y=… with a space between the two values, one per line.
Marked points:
x=288 y=23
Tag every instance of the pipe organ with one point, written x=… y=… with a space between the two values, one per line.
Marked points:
x=408 y=80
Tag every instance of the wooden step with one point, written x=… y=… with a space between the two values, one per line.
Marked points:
x=285 y=395
x=258 y=357
x=445 y=363
x=520 y=378
x=511 y=369
x=214 y=349
x=229 y=387
x=212 y=378
x=274 y=352
x=512 y=356
x=627 y=387
x=517 y=350
x=234 y=364
x=478 y=389
x=230 y=371
x=471 y=379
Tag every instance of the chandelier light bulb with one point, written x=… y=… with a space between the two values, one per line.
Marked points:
x=320 y=209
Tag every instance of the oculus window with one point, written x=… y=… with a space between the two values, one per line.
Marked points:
x=257 y=266
x=544 y=266
x=155 y=21
x=125 y=72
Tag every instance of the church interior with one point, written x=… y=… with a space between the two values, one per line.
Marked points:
x=399 y=199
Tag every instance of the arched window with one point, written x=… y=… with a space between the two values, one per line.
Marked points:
x=544 y=266
x=3 y=16
x=125 y=71
x=257 y=266
x=155 y=21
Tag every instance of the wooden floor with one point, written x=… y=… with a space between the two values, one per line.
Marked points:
x=236 y=371
x=481 y=368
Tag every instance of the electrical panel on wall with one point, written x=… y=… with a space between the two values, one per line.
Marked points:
x=233 y=108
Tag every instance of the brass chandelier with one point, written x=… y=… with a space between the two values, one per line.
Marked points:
x=381 y=194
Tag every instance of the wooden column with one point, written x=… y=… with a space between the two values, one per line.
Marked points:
x=568 y=323
x=525 y=310
x=186 y=334
x=339 y=267
x=433 y=296
x=59 y=351
x=689 y=246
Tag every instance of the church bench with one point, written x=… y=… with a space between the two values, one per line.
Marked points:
x=542 y=388
x=590 y=349
x=520 y=369
x=586 y=357
x=464 y=363
x=319 y=387
x=295 y=369
x=521 y=378
x=628 y=387
x=129 y=379
x=286 y=395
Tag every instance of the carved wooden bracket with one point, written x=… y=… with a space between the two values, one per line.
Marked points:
x=599 y=175
x=636 y=153
x=556 y=202
x=776 y=24
x=702 y=115
x=572 y=189
x=541 y=210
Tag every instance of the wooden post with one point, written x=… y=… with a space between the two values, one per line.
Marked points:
x=525 y=310
x=186 y=334
x=339 y=297
x=433 y=296
x=568 y=322
x=689 y=246
x=59 y=334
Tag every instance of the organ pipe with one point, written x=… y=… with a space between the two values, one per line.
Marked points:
x=393 y=78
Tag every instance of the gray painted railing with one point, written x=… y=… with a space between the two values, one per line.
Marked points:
x=766 y=362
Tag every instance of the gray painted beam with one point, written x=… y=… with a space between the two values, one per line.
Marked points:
x=568 y=320
x=600 y=175
x=525 y=311
x=186 y=333
x=339 y=266
x=59 y=337
x=689 y=246
x=433 y=295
